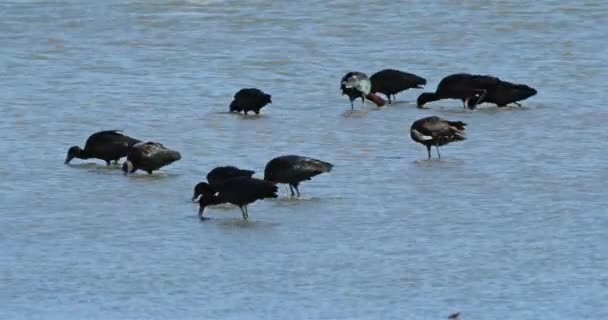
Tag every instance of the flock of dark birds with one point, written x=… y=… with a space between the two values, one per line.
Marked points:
x=229 y=184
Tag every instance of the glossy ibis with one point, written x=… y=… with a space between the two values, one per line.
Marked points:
x=105 y=145
x=149 y=156
x=293 y=169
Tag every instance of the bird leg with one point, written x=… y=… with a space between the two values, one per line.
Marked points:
x=517 y=104
x=291 y=189
x=352 y=107
x=296 y=187
x=362 y=102
x=108 y=162
x=244 y=211
x=389 y=99
x=437 y=147
x=428 y=150
x=200 y=215
x=480 y=99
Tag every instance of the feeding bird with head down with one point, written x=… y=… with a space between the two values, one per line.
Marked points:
x=109 y=145
x=390 y=82
x=474 y=89
x=357 y=85
x=293 y=169
x=217 y=176
x=250 y=99
x=240 y=191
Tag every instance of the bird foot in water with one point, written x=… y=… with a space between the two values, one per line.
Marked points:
x=203 y=218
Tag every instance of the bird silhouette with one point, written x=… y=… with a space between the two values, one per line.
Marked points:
x=357 y=85
x=293 y=169
x=240 y=191
x=391 y=82
x=435 y=131
x=105 y=145
x=219 y=175
x=149 y=157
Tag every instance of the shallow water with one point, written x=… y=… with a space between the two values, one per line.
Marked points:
x=509 y=224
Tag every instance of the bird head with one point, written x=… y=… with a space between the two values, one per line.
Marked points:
x=203 y=189
x=127 y=167
x=424 y=98
x=73 y=152
x=203 y=202
x=268 y=98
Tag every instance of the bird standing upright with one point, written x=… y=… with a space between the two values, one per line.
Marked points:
x=435 y=131
x=357 y=85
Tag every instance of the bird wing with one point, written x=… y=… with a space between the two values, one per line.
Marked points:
x=156 y=152
x=247 y=190
x=419 y=136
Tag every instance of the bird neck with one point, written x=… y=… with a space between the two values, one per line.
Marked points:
x=83 y=154
x=427 y=97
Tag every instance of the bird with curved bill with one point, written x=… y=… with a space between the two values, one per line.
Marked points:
x=109 y=145
x=240 y=191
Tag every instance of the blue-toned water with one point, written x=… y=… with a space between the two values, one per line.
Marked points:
x=509 y=224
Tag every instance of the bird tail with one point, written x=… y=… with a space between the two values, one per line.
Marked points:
x=274 y=193
x=375 y=99
x=458 y=137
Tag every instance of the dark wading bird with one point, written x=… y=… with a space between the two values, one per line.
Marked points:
x=357 y=85
x=473 y=89
x=105 y=145
x=434 y=131
x=219 y=175
x=293 y=169
x=250 y=99
x=391 y=82
x=239 y=191
x=503 y=94
x=149 y=157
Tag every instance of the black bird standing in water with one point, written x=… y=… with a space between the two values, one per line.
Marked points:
x=474 y=89
x=391 y=82
x=105 y=145
x=239 y=191
x=357 y=85
x=219 y=175
x=250 y=99
x=293 y=169
x=503 y=94
x=149 y=157
x=434 y=131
